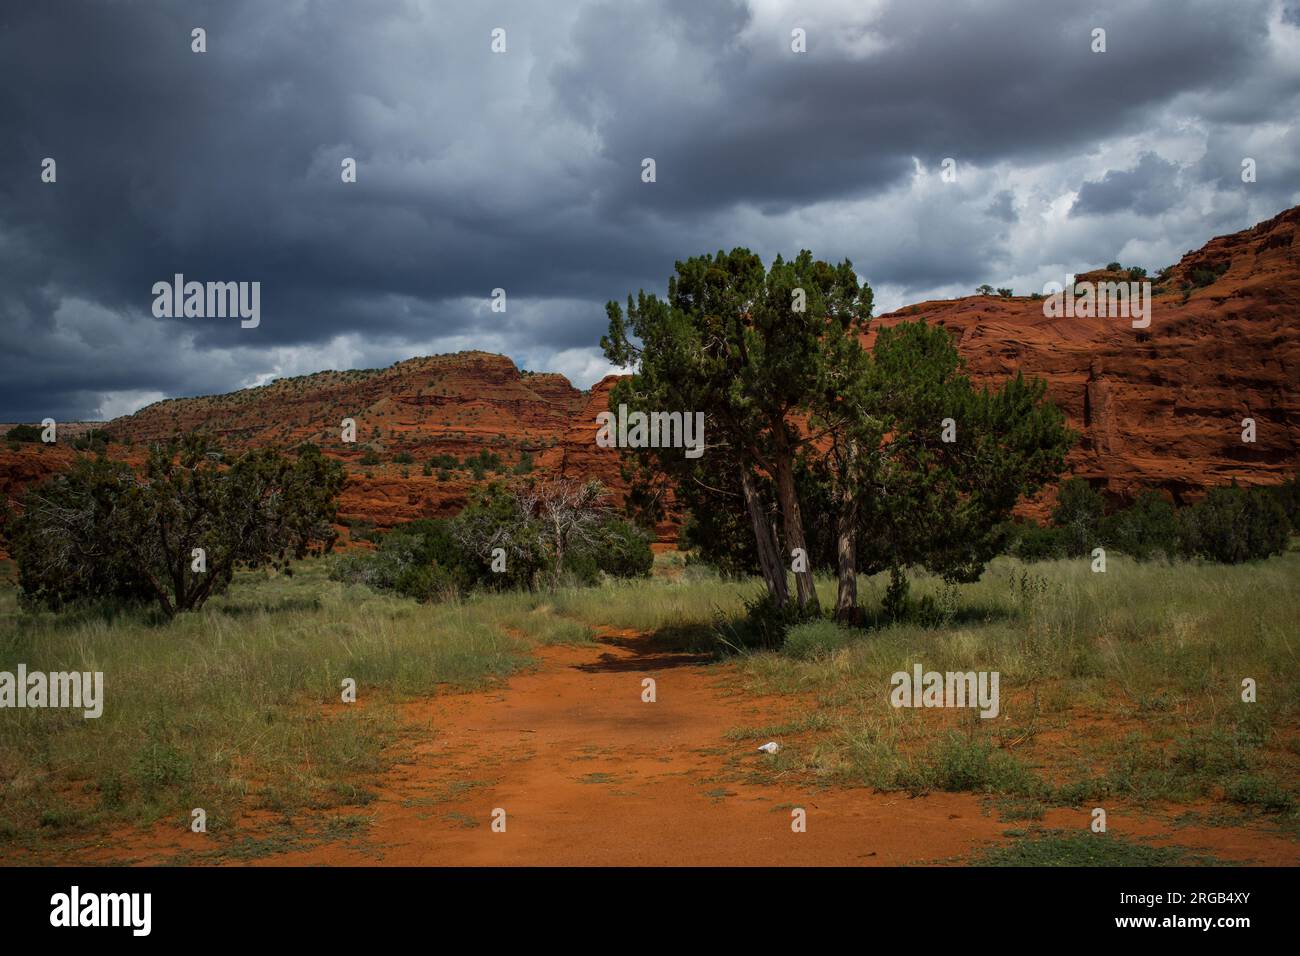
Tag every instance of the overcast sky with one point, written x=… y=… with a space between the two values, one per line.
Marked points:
x=522 y=170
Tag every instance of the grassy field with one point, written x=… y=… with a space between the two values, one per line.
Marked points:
x=1124 y=685
x=1118 y=686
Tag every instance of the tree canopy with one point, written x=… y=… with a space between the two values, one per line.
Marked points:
x=894 y=447
x=175 y=534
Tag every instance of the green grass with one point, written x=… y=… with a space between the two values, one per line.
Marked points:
x=1117 y=686
x=1085 y=848
x=1133 y=676
x=238 y=706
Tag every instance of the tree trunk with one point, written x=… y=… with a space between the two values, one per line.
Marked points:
x=793 y=523
x=846 y=544
x=768 y=559
x=559 y=554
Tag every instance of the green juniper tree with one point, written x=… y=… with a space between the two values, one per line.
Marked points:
x=750 y=347
x=895 y=447
x=102 y=531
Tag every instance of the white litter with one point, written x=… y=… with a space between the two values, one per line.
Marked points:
x=770 y=747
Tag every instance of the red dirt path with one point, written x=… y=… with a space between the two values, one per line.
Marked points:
x=588 y=774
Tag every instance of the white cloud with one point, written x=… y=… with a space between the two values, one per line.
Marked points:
x=115 y=404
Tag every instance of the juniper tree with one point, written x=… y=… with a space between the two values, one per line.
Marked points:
x=176 y=533
x=751 y=347
x=944 y=462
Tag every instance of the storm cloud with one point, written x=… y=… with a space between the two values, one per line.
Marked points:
x=522 y=170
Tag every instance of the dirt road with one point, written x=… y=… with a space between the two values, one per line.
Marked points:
x=590 y=774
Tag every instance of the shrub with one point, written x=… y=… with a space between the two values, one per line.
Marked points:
x=816 y=639
x=100 y=531
x=93 y=440
x=962 y=764
x=427 y=559
x=485 y=461
x=1113 y=267
x=1232 y=525
x=1261 y=793
x=1078 y=513
x=622 y=550
x=1030 y=541
x=1149 y=528
x=1288 y=496
x=420 y=560
x=764 y=625
x=24 y=433
x=1205 y=276
x=893 y=606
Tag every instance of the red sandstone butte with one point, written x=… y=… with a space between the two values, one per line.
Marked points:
x=1162 y=407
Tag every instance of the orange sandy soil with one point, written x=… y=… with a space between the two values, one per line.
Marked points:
x=588 y=774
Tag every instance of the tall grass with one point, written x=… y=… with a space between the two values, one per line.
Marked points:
x=239 y=705
x=1126 y=683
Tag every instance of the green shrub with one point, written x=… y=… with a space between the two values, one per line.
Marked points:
x=962 y=764
x=93 y=440
x=1078 y=513
x=1149 y=528
x=1232 y=525
x=101 y=531
x=1288 y=496
x=485 y=461
x=1203 y=277
x=420 y=560
x=893 y=606
x=1030 y=541
x=763 y=625
x=24 y=433
x=622 y=550
x=1260 y=793
x=816 y=639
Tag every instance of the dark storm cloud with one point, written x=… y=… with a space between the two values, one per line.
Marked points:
x=1003 y=207
x=522 y=170
x=975 y=81
x=1149 y=187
